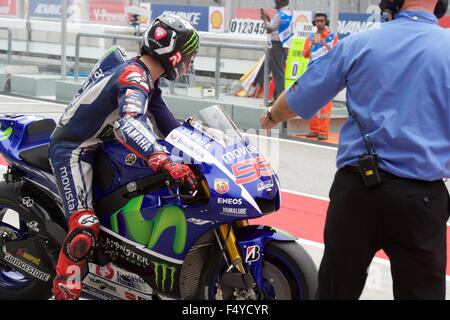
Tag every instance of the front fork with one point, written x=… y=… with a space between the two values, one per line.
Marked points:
x=228 y=237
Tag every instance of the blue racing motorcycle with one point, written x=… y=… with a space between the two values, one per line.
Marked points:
x=157 y=240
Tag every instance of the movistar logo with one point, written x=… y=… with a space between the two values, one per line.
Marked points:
x=165 y=269
x=148 y=232
x=5 y=134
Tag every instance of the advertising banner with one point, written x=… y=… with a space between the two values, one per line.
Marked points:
x=111 y=12
x=216 y=20
x=45 y=8
x=302 y=18
x=145 y=19
x=252 y=13
x=8 y=8
x=198 y=16
x=248 y=20
x=350 y=23
x=247 y=26
x=51 y=9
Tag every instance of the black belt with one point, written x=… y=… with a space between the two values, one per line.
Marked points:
x=382 y=172
x=386 y=174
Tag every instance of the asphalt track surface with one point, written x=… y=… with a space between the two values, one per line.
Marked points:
x=306 y=172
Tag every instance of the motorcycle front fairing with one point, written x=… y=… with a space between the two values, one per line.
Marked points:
x=252 y=241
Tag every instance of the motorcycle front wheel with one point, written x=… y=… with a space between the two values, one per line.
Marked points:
x=289 y=273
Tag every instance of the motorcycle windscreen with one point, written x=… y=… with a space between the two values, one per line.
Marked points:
x=210 y=136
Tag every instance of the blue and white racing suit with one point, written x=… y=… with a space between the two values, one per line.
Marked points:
x=119 y=99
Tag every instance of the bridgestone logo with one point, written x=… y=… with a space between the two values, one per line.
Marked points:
x=27 y=268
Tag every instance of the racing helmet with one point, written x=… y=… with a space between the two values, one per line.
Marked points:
x=174 y=42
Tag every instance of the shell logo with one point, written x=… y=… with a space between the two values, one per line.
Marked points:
x=216 y=19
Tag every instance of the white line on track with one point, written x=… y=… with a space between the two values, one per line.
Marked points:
x=36 y=101
x=292 y=141
x=305 y=195
x=22 y=103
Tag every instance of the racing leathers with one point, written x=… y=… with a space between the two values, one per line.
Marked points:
x=119 y=99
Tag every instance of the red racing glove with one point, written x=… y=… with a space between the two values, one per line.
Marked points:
x=159 y=161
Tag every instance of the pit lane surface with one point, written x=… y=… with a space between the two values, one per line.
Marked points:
x=306 y=172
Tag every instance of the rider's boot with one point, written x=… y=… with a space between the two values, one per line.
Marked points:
x=72 y=265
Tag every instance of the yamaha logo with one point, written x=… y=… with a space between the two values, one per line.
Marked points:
x=130 y=159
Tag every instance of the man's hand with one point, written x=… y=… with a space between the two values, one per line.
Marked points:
x=317 y=39
x=266 y=121
x=278 y=113
x=264 y=16
x=159 y=161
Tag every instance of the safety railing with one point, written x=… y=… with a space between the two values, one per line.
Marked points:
x=218 y=46
x=9 y=42
x=96 y=35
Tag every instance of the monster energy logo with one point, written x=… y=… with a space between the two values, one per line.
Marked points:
x=164 y=270
x=148 y=232
x=191 y=45
x=5 y=134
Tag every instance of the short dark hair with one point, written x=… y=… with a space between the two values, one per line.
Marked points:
x=320 y=14
x=281 y=3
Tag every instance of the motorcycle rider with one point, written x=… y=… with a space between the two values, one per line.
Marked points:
x=120 y=99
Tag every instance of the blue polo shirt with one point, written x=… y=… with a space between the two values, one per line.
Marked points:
x=398 y=85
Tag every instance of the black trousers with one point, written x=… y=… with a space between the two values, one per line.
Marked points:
x=406 y=218
x=277 y=62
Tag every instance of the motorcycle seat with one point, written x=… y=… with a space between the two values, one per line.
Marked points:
x=37 y=157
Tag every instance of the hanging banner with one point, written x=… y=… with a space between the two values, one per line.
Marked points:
x=8 y=8
x=216 y=19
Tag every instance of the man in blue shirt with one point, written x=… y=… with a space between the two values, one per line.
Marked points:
x=398 y=89
x=279 y=29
